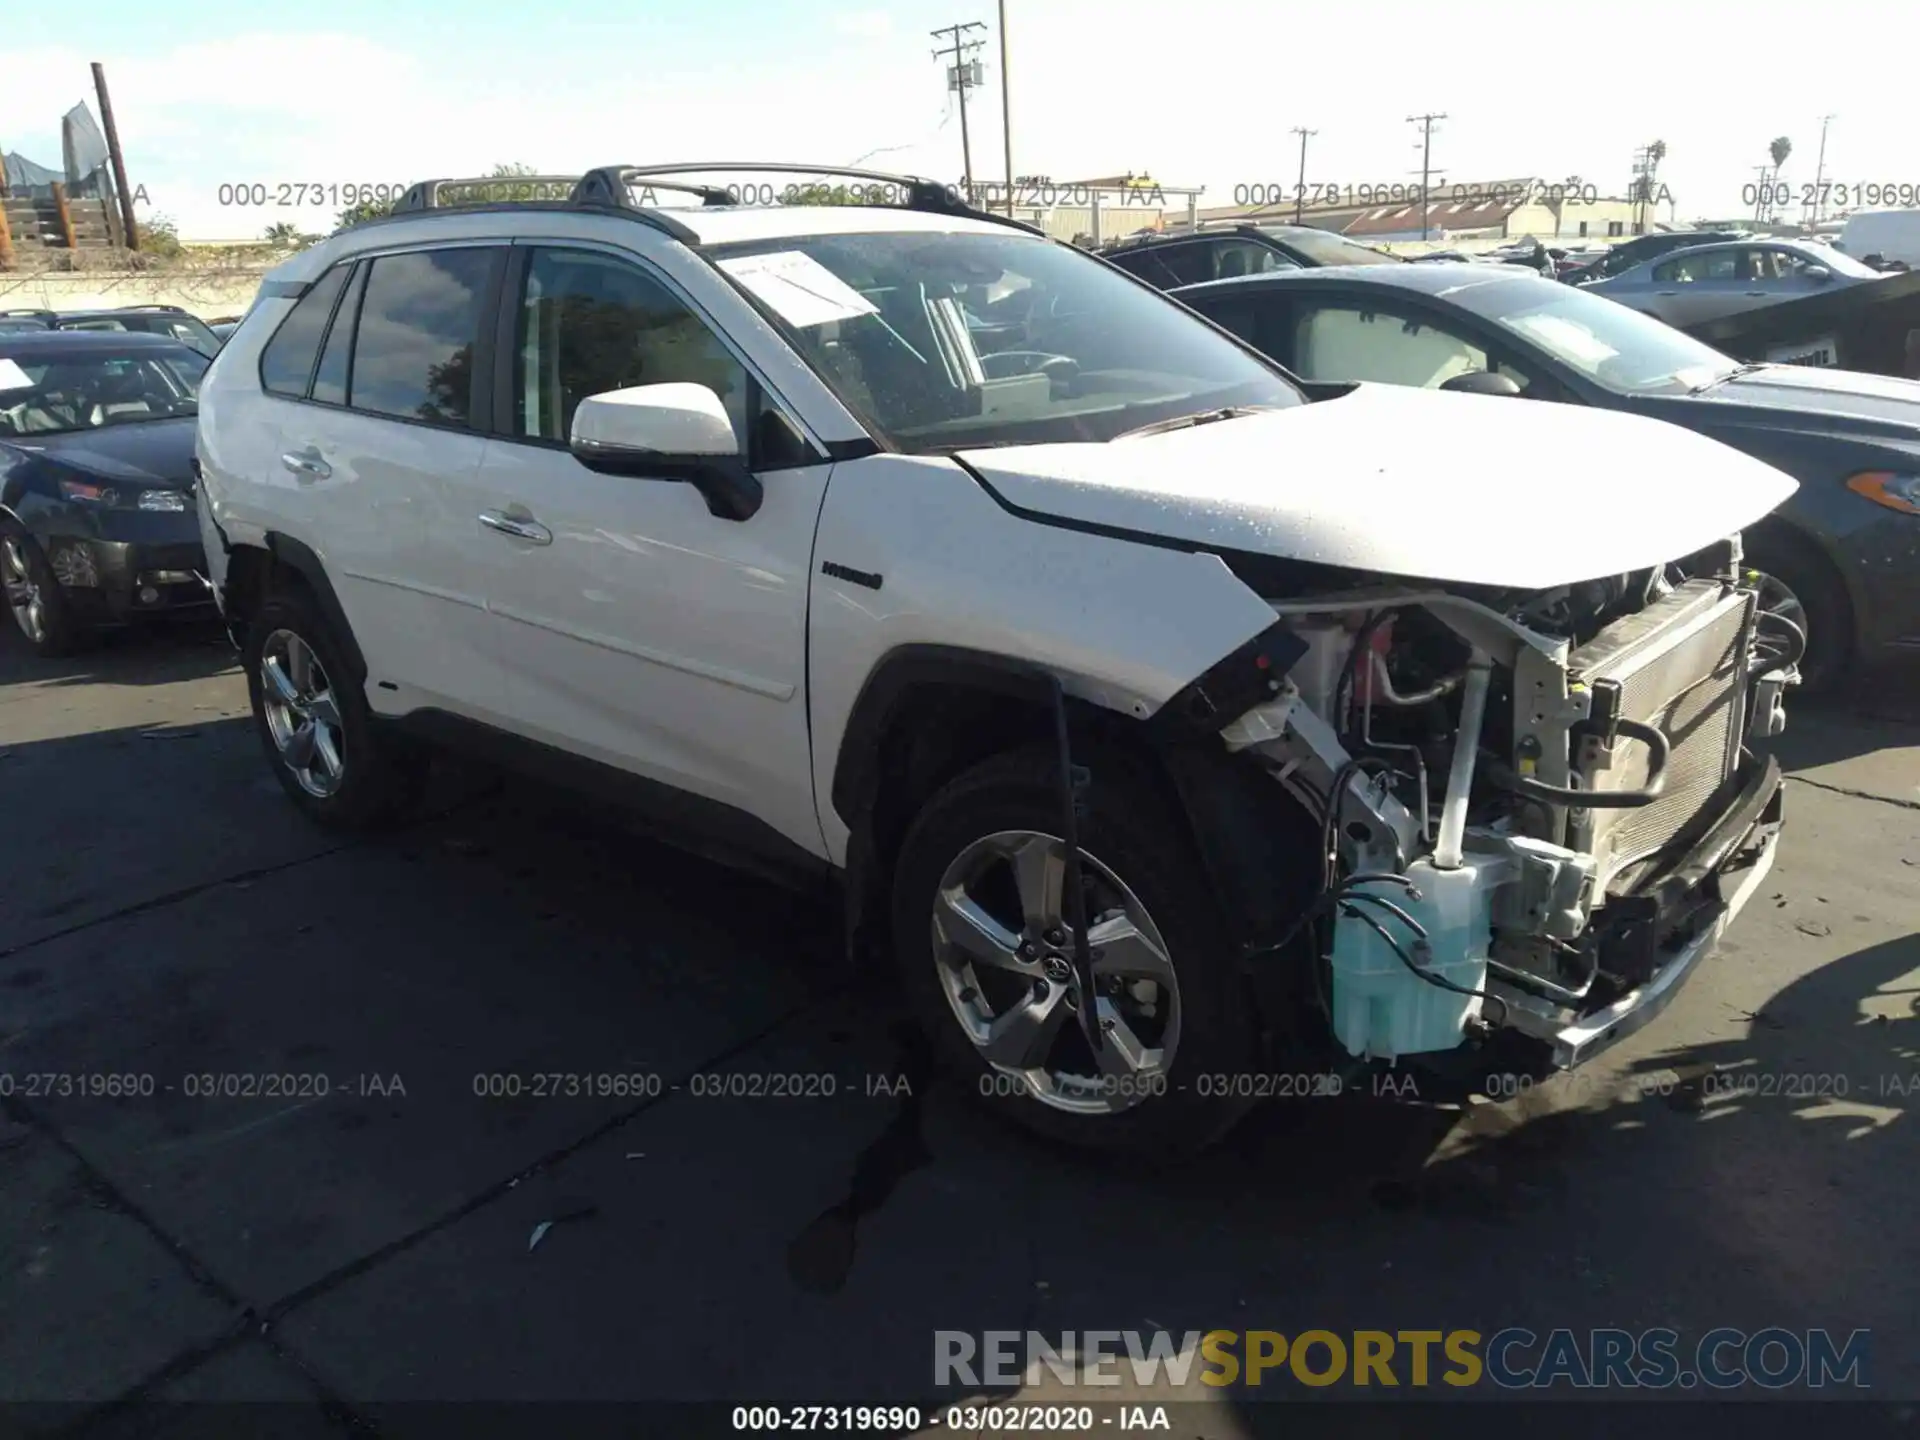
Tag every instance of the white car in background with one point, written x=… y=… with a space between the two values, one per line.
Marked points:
x=1167 y=722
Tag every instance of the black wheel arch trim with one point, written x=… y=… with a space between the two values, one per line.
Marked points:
x=301 y=559
x=1235 y=812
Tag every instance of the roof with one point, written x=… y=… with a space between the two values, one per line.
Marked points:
x=55 y=343
x=709 y=225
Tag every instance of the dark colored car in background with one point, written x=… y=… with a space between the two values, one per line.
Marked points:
x=97 y=520
x=1192 y=257
x=168 y=320
x=1847 y=544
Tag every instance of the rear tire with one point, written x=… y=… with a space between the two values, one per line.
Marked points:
x=315 y=725
x=1150 y=911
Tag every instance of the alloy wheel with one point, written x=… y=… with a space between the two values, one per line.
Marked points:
x=24 y=600
x=1004 y=956
x=302 y=716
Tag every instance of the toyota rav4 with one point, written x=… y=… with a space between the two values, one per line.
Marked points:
x=1163 y=717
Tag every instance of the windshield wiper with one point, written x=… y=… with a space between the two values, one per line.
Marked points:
x=1187 y=422
x=1733 y=374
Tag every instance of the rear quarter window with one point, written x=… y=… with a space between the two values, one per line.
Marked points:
x=286 y=365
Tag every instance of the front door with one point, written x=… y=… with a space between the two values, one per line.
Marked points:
x=634 y=627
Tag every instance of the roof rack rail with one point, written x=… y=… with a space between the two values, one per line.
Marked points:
x=563 y=193
x=916 y=192
x=167 y=309
x=31 y=312
x=425 y=195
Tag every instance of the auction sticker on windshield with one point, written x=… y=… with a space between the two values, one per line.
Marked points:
x=800 y=289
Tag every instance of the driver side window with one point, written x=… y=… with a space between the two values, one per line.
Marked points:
x=590 y=323
x=1347 y=342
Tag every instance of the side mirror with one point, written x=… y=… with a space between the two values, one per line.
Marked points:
x=1482 y=382
x=674 y=431
x=1817 y=272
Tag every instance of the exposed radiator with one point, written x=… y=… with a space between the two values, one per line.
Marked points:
x=1680 y=666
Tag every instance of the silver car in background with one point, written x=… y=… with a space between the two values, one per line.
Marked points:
x=1705 y=282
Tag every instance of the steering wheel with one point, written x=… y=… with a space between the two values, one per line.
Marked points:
x=1060 y=369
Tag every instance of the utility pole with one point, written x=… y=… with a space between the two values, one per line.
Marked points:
x=1820 y=171
x=1300 y=190
x=1763 y=201
x=1006 y=109
x=118 y=159
x=961 y=50
x=1425 y=122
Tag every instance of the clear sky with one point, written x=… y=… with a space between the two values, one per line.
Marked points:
x=221 y=91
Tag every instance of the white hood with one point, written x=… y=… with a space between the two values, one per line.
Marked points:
x=1426 y=484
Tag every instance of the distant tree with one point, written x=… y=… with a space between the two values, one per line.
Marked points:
x=282 y=235
x=1780 y=149
x=160 y=235
x=369 y=209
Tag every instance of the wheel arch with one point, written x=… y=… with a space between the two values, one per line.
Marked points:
x=1779 y=532
x=255 y=572
x=928 y=712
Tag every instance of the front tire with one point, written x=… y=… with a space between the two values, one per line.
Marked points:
x=36 y=604
x=314 y=723
x=980 y=934
x=1815 y=601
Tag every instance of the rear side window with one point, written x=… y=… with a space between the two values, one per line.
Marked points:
x=286 y=365
x=419 y=331
x=330 y=380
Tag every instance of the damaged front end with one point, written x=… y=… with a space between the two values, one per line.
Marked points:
x=1539 y=811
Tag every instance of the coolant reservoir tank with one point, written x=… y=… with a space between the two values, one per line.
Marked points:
x=1381 y=1010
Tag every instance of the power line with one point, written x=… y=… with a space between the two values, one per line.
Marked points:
x=1300 y=190
x=961 y=77
x=1425 y=122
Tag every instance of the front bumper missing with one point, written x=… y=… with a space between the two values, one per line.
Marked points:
x=1711 y=883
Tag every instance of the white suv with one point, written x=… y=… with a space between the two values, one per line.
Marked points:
x=1173 y=724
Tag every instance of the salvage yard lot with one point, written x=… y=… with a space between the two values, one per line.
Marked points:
x=165 y=913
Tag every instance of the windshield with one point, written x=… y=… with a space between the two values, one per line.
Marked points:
x=1629 y=353
x=1323 y=247
x=955 y=341
x=1836 y=261
x=43 y=396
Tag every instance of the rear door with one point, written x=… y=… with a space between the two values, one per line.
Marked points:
x=1703 y=285
x=378 y=436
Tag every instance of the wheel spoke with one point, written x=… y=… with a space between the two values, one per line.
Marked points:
x=1127 y=954
x=1121 y=1054
x=300 y=746
x=1039 y=873
x=326 y=751
x=1022 y=1038
x=299 y=664
x=320 y=705
x=284 y=690
x=969 y=933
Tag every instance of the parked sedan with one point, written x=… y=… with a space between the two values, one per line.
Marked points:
x=1847 y=544
x=1706 y=282
x=97 y=520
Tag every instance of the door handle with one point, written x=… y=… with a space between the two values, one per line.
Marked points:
x=306 y=464
x=1666 y=294
x=530 y=530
